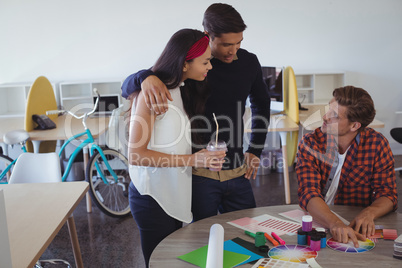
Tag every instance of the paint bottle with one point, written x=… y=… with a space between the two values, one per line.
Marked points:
x=315 y=242
x=307 y=223
x=323 y=235
x=260 y=239
x=301 y=237
x=309 y=234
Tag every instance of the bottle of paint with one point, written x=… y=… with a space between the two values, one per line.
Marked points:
x=301 y=237
x=309 y=234
x=323 y=235
x=307 y=223
x=315 y=242
x=260 y=239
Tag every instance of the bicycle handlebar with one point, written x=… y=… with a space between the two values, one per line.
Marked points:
x=85 y=115
x=55 y=112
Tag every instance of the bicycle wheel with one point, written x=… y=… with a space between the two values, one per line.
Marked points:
x=5 y=161
x=111 y=197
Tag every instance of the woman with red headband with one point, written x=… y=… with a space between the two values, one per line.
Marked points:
x=160 y=152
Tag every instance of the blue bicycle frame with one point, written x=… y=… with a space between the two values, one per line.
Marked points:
x=89 y=140
x=9 y=166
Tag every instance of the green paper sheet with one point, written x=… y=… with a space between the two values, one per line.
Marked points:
x=199 y=257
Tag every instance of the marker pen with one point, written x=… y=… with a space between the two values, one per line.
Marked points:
x=273 y=241
x=278 y=238
x=250 y=234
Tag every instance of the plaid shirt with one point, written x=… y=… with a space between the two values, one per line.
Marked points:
x=367 y=173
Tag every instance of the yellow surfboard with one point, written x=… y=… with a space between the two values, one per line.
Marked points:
x=291 y=107
x=40 y=99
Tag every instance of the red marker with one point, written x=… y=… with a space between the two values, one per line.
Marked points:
x=273 y=241
x=278 y=238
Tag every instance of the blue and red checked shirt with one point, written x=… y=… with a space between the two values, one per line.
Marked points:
x=367 y=173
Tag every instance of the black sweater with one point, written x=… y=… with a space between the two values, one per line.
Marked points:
x=230 y=85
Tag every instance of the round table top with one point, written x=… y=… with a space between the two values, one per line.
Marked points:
x=196 y=235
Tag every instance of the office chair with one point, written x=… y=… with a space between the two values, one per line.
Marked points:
x=396 y=134
x=38 y=168
x=115 y=129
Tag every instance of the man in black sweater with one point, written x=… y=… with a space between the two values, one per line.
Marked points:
x=236 y=75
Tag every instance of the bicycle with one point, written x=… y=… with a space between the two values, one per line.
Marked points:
x=106 y=172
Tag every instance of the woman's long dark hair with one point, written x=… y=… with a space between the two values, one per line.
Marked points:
x=169 y=69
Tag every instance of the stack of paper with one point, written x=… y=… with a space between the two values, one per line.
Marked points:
x=398 y=248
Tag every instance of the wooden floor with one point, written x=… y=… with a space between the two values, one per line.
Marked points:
x=110 y=242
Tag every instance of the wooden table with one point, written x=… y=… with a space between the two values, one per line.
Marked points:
x=312 y=118
x=282 y=124
x=35 y=213
x=67 y=126
x=196 y=235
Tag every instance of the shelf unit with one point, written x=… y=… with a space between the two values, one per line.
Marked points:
x=317 y=87
x=78 y=96
x=13 y=99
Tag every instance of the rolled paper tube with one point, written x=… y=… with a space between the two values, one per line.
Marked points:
x=215 y=246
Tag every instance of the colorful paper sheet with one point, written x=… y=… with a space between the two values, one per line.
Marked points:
x=233 y=255
x=292 y=253
x=250 y=246
x=266 y=262
x=297 y=214
x=234 y=247
x=349 y=247
x=266 y=223
x=199 y=257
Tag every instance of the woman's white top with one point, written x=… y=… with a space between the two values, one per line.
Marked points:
x=169 y=186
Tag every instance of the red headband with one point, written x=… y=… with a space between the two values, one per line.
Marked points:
x=198 y=48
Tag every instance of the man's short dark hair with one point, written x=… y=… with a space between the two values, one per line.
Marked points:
x=222 y=18
x=359 y=104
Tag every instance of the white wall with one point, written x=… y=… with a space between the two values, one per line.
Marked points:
x=88 y=39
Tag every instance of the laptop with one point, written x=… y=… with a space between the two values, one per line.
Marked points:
x=107 y=103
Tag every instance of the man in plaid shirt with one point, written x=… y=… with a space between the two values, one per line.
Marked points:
x=345 y=163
